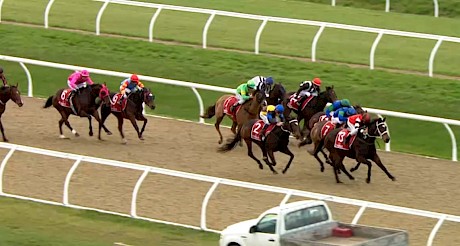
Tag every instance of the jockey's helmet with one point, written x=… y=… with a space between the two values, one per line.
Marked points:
x=270 y=108
x=134 y=78
x=317 y=82
x=345 y=103
x=84 y=73
x=269 y=80
x=304 y=83
x=279 y=108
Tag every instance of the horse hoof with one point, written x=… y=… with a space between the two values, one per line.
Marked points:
x=352 y=170
x=91 y=134
x=141 y=138
x=219 y=142
x=339 y=182
x=368 y=181
x=322 y=169
x=261 y=167
x=124 y=141
x=5 y=140
x=109 y=133
x=284 y=171
x=274 y=164
x=393 y=179
x=62 y=137
x=275 y=172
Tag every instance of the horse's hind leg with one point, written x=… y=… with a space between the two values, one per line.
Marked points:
x=251 y=154
x=342 y=167
x=379 y=163
x=289 y=153
x=65 y=119
x=3 y=131
x=120 y=128
x=356 y=167
x=217 y=125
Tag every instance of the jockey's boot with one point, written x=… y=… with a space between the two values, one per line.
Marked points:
x=347 y=139
x=232 y=108
x=262 y=133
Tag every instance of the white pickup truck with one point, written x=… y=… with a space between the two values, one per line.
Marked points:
x=307 y=223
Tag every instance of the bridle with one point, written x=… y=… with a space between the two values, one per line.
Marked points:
x=378 y=130
x=289 y=122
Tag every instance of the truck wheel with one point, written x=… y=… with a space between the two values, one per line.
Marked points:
x=233 y=244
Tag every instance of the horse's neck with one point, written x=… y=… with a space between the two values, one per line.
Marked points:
x=254 y=106
x=5 y=96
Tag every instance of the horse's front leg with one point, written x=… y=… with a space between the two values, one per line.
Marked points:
x=379 y=163
x=96 y=116
x=251 y=154
x=132 y=118
x=91 y=127
x=3 y=132
x=266 y=154
x=142 y=118
x=291 y=158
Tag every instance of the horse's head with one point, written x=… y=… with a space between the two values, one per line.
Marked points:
x=276 y=95
x=378 y=128
x=149 y=98
x=329 y=94
x=292 y=125
x=359 y=109
x=15 y=95
x=101 y=91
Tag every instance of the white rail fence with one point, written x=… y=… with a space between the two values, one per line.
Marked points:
x=264 y=20
x=194 y=87
x=146 y=170
x=388 y=3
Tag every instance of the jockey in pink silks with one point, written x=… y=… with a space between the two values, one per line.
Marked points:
x=79 y=79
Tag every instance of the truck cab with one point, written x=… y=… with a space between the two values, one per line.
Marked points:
x=267 y=228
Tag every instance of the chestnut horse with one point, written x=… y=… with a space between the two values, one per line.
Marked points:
x=6 y=93
x=249 y=110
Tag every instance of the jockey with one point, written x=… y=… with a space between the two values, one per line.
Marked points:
x=2 y=77
x=243 y=93
x=271 y=114
x=79 y=79
x=308 y=88
x=336 y=105
x=131 y=84
x=341 y=115
x=261 y=83
x=354 y=122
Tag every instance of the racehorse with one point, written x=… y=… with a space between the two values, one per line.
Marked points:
x=84 y=102
x=132 y=110
x=276 y=95
x=361 y=149
x=277 y=139
x=249 y=110
x=6 y=93
x=315 y=105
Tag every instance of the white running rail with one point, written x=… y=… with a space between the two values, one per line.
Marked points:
x=146 y=170
x=194 y=87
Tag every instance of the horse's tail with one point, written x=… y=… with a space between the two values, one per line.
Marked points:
x=49 y=102
x=230 y=144
x=210 y=112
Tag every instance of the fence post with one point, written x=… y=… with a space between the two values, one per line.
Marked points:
x=435 y=230
x=3 y=165
x=286 y=198
x=374 y=47
x=30 y=88
x=359 y=213
x=432 y=56
x=152 y=23
x=99 y=16
x=259 y=33
x=333 y=2
x=65 y=199
x=47 y=12
x=205 y=29
x=205 y=204
x=436 y=8
x=387 y=6
x=315 y=40
x=136 y=191
x=1 y=4
x=454 y=141
x=200 y=103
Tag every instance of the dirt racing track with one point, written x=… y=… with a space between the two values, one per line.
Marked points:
x=422 y=183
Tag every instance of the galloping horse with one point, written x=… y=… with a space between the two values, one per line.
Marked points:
x=277 y=139
x=249 y=110
x=276 y=95
x=7 y=93
x=130 y=108
x=313 y=106
x=361 y=148
x=84 y=102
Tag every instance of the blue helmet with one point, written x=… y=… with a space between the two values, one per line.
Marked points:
x=269 y=81
x=351 y=111
x=279 y=108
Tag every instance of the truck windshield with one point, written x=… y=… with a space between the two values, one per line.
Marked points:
x=306 y=216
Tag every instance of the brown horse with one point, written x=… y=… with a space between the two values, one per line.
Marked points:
x=316 y=105
x=85 y=104
x=132 y=111
x=276 y=95
x=276 y=140
x=361 y=149
x=7 y=93
x=249 y=110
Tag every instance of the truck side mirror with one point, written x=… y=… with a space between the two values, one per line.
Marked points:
x=253 y=229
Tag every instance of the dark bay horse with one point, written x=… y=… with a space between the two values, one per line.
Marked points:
x=132 y=111
x=276 y=140
x=276 y=95
x=6 y=93
x=84 y=102
x=316 y=105
x=362 y=149
x=249 y=110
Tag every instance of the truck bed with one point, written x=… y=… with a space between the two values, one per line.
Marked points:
x=342 y=241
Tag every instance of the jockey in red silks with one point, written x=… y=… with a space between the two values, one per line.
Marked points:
x=79 y=79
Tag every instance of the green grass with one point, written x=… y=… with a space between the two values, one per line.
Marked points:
x=447 y=8
x=27 y=223
x=375 y=89
x=277 y=38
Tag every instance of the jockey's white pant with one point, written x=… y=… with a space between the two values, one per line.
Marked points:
x=353 y=128
x=240 y=99
x=264 y=118
x=306 y=93
x=77 y=86
x=335 y=120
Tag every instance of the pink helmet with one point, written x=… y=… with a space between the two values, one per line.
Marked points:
x=84 y=73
